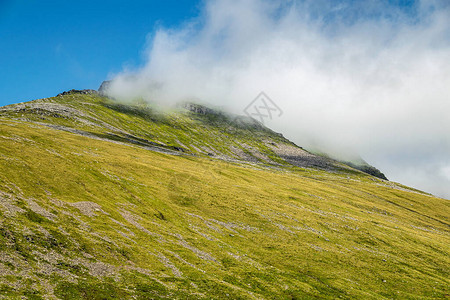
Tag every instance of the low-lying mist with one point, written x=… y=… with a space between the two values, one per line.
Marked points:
x=366 y=77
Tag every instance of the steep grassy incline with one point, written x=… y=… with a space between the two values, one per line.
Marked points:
x=197 y=130
x=87 y=211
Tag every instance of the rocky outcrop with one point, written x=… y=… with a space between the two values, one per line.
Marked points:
x=104 y=87
x=366 y=168
x=77 y=92
x=299 y=157
x=199 y=109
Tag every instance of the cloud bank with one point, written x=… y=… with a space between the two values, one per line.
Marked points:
x=370 y=77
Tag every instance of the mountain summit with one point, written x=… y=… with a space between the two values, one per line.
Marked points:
x=193 y=130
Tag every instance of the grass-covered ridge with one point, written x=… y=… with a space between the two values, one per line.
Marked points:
x=89 y=210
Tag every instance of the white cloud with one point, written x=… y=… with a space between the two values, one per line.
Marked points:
x=366 y=76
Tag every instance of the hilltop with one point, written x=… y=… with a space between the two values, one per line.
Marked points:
x=192 y=129
x=101 y=199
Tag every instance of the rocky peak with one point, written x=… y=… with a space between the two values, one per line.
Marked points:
x=88 y=91
x=199 y=109
x=104 y=87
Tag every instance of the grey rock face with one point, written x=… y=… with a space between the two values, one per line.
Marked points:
x=103 y=89
x=77 y=92
x=199 y=109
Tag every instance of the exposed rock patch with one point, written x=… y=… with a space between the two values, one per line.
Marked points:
x=40 y=210
x=168 y=264
x=302 y=158
x=7 y=203
x=201 y=254
x=88 y=208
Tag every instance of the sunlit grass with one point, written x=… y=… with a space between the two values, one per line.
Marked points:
x=155 y=225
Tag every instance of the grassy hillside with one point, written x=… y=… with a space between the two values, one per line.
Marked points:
x=196 y=131
x=101 y=200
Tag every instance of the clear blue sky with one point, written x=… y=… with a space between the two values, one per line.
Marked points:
x=47 y=47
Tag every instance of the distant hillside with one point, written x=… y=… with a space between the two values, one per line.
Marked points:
x=105 y=200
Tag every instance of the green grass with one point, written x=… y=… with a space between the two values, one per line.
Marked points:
x=147 y=124
x=162 y=226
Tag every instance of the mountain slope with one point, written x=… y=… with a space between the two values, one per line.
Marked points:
x=194 y=129
x=102 y=200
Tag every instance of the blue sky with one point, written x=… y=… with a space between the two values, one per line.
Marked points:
x=47 y=47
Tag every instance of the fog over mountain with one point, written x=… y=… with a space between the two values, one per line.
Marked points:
x=366 y=77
